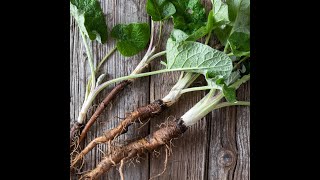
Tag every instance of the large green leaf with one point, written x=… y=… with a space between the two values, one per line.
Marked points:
x=131 y=38
x=90 y=19
x=160 y=9
x=201 y=58
x=239 y=15
x=190 y=15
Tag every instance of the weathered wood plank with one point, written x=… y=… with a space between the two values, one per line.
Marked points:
x=242 y=170
x=132 y=97
x=229 y=142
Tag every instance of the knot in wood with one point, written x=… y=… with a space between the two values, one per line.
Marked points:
x=226 y=158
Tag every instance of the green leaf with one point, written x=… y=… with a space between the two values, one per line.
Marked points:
x=229 y=93
x=90 y=19
x=210 y=22
x=240 y=43
x=220 y=13
x=214 y=82
x=238 y=10
x=204 y=30
x=239 y=17
x=233 y=77
x=177 y=35
x=223 y=33
x=190 y=15
x=241 y=9
x=202 y=58
x=219 y=81
x=131 y=38
x=198 y=34
x=217 y=17
x=160 y=9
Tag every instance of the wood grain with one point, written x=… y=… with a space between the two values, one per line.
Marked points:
x=217 y=147
x=229 y=141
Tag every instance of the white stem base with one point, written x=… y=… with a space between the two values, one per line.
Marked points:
x=201 y=109
x=84 y=109
x=176 y=90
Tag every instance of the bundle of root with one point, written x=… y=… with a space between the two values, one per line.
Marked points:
x=159 y=138
x=141 y=114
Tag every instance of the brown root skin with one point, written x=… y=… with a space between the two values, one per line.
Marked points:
x=142 y=113
x=87 y=149
x=118 y=88
x=159 y=138
x=74 y=131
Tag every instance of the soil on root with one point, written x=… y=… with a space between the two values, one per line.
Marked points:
x=159 y=138
x=74 y=134
x=141 y=113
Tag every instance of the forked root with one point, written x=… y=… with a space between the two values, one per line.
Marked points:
x=159 y=138
x=143 y=113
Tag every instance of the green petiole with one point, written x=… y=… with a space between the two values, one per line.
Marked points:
x=93 y=78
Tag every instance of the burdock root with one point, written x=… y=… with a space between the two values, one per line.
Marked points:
x=74 y=132
x=141 y=113
x=114 y=92
x=159 y=138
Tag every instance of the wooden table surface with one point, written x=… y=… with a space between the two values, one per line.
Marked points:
x=217 y=147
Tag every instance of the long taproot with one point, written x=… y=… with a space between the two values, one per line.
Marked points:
x=142 y=113
x=159 y=138
x=117 y=89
